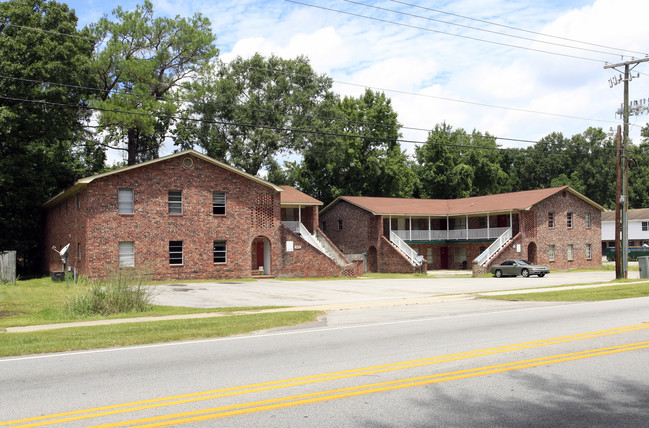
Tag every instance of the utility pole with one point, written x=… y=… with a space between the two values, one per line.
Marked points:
x=618 y=193
x=622 y=202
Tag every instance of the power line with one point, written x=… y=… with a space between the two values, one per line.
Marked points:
x=385 y=21
x=296 y=130
x=515 y=28
x=9 y=25
x=416 y=94
x=480 y=29
x=397 y=91
x=272 y=111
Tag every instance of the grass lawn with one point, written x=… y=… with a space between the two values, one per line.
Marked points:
x=41 y=301
x=76 y=338
x=620 y=291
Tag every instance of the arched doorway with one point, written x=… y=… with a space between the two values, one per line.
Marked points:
x=372 y=260
x=531 y=252
x=261 y=256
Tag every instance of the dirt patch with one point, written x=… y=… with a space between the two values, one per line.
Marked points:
x=7 y=314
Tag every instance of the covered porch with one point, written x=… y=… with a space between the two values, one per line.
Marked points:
x=418 y=229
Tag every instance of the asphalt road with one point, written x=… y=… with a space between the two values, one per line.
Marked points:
x=462 y=363
x=274 y=292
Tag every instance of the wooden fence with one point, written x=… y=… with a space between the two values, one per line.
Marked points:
x=8 y=266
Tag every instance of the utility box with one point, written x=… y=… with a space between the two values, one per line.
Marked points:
x=58 y=276
x=643 y=263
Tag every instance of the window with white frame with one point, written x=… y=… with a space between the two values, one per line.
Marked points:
x=589 y=252
x=175 y=202
x=551 y=253
x=570 y=254
x=126 y=254
x=220 y=251
x=569 y=220
x=218 y=203
x=175 y=252
x=587 y=220
x=645 y=226
x=429 y=255
x=125 y=201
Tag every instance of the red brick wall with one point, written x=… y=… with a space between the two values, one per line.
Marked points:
x=252 y=210
x=65 y=224
x=359 y=227
x=535 y=231
x=305 y=261
x=390 y=260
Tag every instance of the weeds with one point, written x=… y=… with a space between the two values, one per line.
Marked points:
x=123 y=291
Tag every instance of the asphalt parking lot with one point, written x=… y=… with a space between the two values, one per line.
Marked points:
x=276 y=292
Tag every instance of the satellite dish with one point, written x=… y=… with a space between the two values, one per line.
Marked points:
x=64 y=251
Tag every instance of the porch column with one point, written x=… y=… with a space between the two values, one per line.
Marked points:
x=410 y=228
x=467 y=226
x=430 y=238
x=447 y=228
x=510 y=221
x=488 y=233
x=390 y=224
x=299 y=213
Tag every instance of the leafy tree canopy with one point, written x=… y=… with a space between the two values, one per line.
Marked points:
x=250 y=110
x=39 y=155
x=140 y=61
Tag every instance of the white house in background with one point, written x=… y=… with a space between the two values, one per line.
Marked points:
x=638 y=220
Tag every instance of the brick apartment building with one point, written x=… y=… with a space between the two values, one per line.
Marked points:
x=188 y=216
x=557 y=226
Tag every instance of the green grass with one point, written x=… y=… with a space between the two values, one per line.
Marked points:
x=612 y=292
x=78 y=338
x=41 y=301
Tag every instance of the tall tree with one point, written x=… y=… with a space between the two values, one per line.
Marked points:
x=249 y=110
x=356 y=153
x=140 y=62
x=454 y=164
x=40 y=120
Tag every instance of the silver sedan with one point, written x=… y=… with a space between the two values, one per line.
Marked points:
x=518 y=267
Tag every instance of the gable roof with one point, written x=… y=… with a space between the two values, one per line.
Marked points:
x=504 y=202
x=292 y=196
x=633 y=214
x=81 y=184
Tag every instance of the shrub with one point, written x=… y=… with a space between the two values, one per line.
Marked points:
x=122 y=292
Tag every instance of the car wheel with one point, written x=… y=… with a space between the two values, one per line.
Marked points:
x=525 y=273
x=541 y=275
x=498 y=273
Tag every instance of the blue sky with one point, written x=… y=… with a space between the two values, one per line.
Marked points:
x=435 y=71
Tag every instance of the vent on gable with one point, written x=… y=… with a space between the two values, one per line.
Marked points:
x=188 y=162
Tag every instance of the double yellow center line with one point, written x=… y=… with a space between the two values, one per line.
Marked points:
x=296 y=400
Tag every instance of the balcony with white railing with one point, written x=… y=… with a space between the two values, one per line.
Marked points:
x=450 y=235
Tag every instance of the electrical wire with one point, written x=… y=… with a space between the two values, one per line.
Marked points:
x=515 y=28
x=296 y=130
x=480 y=29
x=422 y=95
x=294 y=114
x=385 y=21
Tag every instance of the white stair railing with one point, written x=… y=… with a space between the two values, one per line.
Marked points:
x=405 y=249
x=495 y=246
